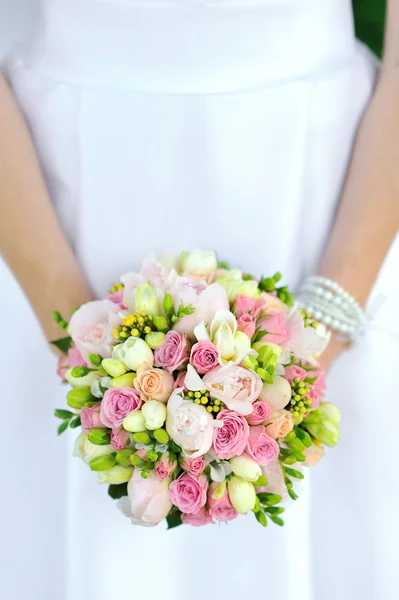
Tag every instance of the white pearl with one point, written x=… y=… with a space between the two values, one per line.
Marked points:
x=317 y=314
x=327 y=320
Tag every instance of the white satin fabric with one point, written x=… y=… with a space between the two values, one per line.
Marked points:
x=181 y=124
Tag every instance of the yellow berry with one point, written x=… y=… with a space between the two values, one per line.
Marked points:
x=209 y=408
x=197 y=401
x=217 y=402
x=197 y=394
x=135 y=332
x=204 y=400
x=216 y=409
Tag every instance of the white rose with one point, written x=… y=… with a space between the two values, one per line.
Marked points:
x=117 y=474
x=91 y=451
x=86 y=381
x=246 y=467
x=233 y=345
x=134 y=353
x=198 y=263
x=154 y=413
x=189 y=425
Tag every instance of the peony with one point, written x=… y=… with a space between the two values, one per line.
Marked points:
x=173 y=353
x=220 y=507
x=276 y=394
x=236 y=386
x=246 y=305
x=90 y=418
x=196 y=466
x=313 y=455
x=154 y=414
x=117 y=404
x=261 y=447
x=205 y=300
x=276 y=327
x=188 y=492
x=280 y=424
x=204 y=356
x=235 y=285
x=134 y=353
x=197 y=519
x=148 y=501
x=91 y=328
x=261 y=412
x=165 y=467
x=154 y=384
x=317 y=388
x=181 y=381
x=275 y=479
x=293 y=371
x=306 y=343
x=119 y=439
x=189 y=425
x=230 y=439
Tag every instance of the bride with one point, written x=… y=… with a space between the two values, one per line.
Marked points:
x=176 y=124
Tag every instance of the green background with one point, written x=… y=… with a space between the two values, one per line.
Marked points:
x=369 y=22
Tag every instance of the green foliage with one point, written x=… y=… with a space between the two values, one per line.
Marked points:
x=369 y=18
x=174 y=519
x=63 y=344
x=117 y=491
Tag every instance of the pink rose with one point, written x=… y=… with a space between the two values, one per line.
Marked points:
x=230 y=439
x=221 y=508
x=276 y=327
x=206 y=301
x=245 y=305
x=148 y=500
x=261 y=412
x=188 y=493
x=280 y=424
x=164 y=467
x=261 y=447
x=90 y=418
x=173 y=353
x=91 y=328
x=236 y=386
x=180 y=382
x=154 y=384
x=199 y=518
x=317 y=388
x=204 y=356
x=119 y=439
x=247 y=324
x=196 y=466
x=293 y=372
x=117 y=404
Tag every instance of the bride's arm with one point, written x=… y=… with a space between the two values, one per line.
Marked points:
x=368 y=216
x=31 y=239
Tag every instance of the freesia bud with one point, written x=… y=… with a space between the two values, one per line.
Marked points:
x=141 y=438
x=134 y=353
x=220 y=490
x=124 y=380
x=244 y=466
x=103 y=463
x=154 y=413
x=85 y=381
x=91 y=450
x=323 y=423
x=155 y=339
x=134 y=422
x=242 y=494
x=161 y=436
x=114 y=367
x=161 y=324
x=122 y=457
x=146 y=300
x=78 y=396
x=115 y=475
x=276 y=394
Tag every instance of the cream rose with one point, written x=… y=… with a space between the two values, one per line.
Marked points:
x=154 y=384
x=154 y=414
x=134 y=353
x=280 y=424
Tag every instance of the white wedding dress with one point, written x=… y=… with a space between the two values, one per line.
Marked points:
x=171 y=124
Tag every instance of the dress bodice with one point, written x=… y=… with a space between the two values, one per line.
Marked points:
x=192 y=46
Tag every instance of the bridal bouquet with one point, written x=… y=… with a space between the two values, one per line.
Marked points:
x=198 y=392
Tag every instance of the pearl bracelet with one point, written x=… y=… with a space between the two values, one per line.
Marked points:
x=326 y=301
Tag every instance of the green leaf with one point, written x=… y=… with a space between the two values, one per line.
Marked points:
x=95 y=359
x=168 y=306
x=174 y=519
x=99 y=437
x=63 y=427
x=292 y=495
x=269 y=499
x=63 y=344
x=274 y=510
x=63 y=414
x=369 y=18
x=222 y=264
x=261 y=481
x=75 y=422
x=303 y=436
x=80 y=371
x=294 y=473
x=261 y=518
x=59 y=320
x=183 y=311
x=277 y=520
x=117 y=491
x=137 y=461
x=122 y=457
